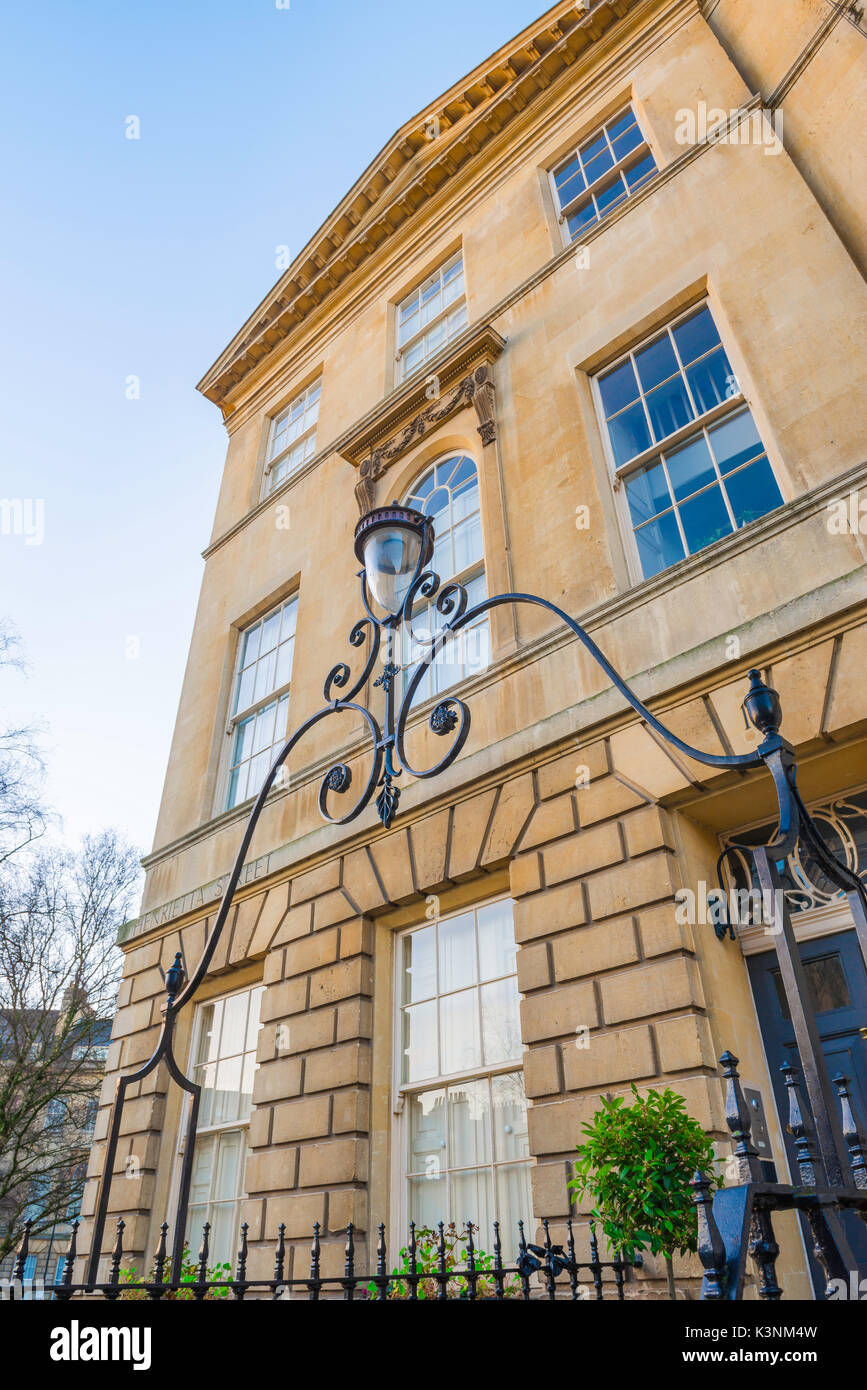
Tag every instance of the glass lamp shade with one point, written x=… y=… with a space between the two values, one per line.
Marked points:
x=389 y=541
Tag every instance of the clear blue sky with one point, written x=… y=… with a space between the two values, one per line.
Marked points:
x=142 y=258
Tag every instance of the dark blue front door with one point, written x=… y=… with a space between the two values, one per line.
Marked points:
x=836 y=976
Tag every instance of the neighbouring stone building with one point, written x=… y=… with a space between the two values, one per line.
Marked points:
x=600 y=310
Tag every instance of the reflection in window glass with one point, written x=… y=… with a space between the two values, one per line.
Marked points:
x=684 y=496
x=466 y=1147
x=225 y=1060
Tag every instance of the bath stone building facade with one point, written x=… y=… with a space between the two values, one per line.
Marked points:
x=599 y=310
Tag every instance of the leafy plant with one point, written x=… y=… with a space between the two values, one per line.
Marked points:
x=637 y=1163
x=218 y=1274
x=427 y=1263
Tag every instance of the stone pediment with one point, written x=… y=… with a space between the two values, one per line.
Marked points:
x=419 y=159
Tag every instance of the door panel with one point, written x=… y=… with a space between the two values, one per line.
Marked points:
x=838 y=984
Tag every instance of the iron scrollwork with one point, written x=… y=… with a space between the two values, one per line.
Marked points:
x=451 y=719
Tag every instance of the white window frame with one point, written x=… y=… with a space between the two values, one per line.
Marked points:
x=400 y=1129
x=305 y=441
x=591 y=192
x=234 y=719
x=618 y=473
x=401 y=349
x=204 y=1131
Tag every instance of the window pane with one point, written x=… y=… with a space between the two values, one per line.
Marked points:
x=515 y=1204
x=607 y=197
x=228 y=1174
x=647 y=493
x=656 y=363
x=457 y=948
x=209 y=1034
x=629 y=434
x=234 y=1024
x=224 y=1235
x=659 y=545
x=618 y=388
x=705 y=519
x=283 y=671
x=570 y=181
x=641 y=170
x=226 y=1098
x=427 y=1133
x=497 y=948
x=584 y=217
x=711 y=380
x=469 y=1124
x=753 y=492
x=420 y=1042
x=459 y=1031
x=203 y=1166
x=511 y=1138
x=690 y=468
x=419 y=965
x=735 y=441
x=599 y=164
x=246 y=683
x=472 y=1200
x=627 y=140
x=253 y=1023
x=270 y=633
x=501 y=1024
x=669 y=408
x=695 y=336
x=427 y=1200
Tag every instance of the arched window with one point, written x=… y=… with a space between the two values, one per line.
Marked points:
x=449 y=492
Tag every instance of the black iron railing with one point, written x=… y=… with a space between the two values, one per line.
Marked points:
x=546 y=1271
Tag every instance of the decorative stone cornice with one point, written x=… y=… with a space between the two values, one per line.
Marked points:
x=458 y=376
x=419 y=159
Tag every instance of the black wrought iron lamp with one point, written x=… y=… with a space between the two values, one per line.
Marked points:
x=395 y=544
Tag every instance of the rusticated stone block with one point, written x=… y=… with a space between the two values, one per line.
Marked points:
x=525 y=874
x=511 y=813
x=551 y=820
x=273 y=911
x=356 y=936
x=556 y=1127
x=470 y=821
x=542 y=1071
x=271 y=1170
x=590 y=950
x=315 y=882
x=348 y=1065
x=558 y=1012
x=341 y=981
x=298 y=922
x=646 y=829
x=430 y=844
x=298 y=1213
x=583 y=853
x=340 y=1160
x=661 y=932
x=276 y=1080
x=311 y=952
x=394 y=866
x=550 y=1193
x=285 y=999
x=308 y=1118
x=684 y=1042
x=606 y=1058
x=350 y=1111
x=574 y=769
x=632 y=884
x=544 y=914
x=606 y=798
x=652 y=989
x=534 y=967
x=331 y=908
x=360 y=883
